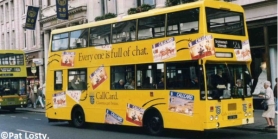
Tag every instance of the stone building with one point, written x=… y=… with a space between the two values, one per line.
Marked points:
x=15 y=36
x=261 y=16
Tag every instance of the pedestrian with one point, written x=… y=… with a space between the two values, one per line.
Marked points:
x=38 y=96
x=43 y=89
x=32 y=96
x=29 y=101
x=275 y=96
x=269 y=114
x=42 y=94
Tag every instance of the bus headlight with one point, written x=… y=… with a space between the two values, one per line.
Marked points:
x=216 y=117
x=211 y=118
x=249 y=114
x=245 y=114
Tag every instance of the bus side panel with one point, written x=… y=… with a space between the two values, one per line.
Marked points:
x=58 y=103
x=188 y=115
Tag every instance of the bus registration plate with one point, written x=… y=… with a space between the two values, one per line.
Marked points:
x=11 y=103
x=232 y=117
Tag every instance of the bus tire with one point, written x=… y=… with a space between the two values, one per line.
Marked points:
x=153 y=122
x=78 y=117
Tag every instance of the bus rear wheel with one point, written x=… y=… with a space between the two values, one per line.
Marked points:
x=154 y=123
x=78 y=117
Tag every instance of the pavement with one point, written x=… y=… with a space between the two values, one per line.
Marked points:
x=258 y=125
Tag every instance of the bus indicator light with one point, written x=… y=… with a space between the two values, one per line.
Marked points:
x=250 y=105
x=151 y=94
x=211 y=108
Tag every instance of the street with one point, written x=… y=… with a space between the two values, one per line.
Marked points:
x=29 y=125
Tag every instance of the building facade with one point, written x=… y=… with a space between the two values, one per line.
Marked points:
x=15 y=36
x=261 y=16
x=261 y=19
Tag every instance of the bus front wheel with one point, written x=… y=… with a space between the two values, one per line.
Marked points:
x=78 y=117
x=154 y=123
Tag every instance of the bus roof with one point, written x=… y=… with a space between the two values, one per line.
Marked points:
x=151 y=12
x=11 y=51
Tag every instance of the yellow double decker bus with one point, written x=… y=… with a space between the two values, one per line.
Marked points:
x=12 y=79
x=182 y=67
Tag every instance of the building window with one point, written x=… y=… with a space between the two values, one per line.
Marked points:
x=13 y=40
x=34 y=38
x=48 y=3
x=8 y=41
x=25 y=38
x=12 y=10
x=2 y=14
x=272 y=34
x=112 y=6
x=23 y=2
x=77 y=79
x=7 y=12
x=103 y=7
x=58 y=80
x=256 y=36
x=3 y=42
x=149 y=2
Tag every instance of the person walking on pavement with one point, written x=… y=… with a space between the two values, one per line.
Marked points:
x=269 y=114
x=38 y=96
x=42 y=88
x=275 y=96
x=42 y=94
x=32 y=95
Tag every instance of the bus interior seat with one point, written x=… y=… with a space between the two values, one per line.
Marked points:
x=192 y=30
x=69 y=86
x=132 y=36
x=172 y=33
x=113 y=86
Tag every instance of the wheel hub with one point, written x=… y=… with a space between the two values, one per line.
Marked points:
x=155 y=124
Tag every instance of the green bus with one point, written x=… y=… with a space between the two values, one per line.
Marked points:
x=13 y=76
